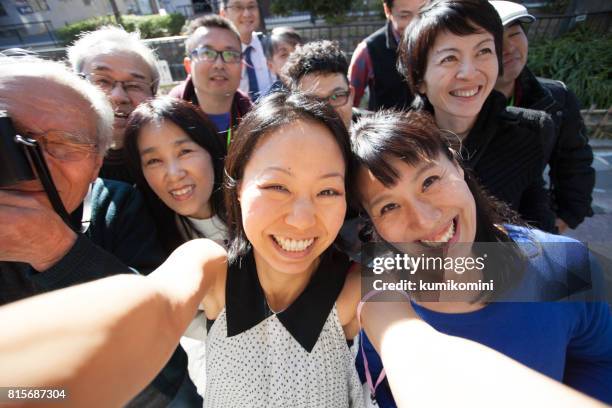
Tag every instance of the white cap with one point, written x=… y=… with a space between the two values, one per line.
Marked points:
x=510 y=12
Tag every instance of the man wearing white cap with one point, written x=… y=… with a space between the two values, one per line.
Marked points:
x=569 y=155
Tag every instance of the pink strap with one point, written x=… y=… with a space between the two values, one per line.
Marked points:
x=366 y=367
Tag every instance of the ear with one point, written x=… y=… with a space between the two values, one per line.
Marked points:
x=187 y=65
x=239 y=190
x=351 y=95
x=422 y=88
x=387 y=10
x=99 y=161
x=223 y=13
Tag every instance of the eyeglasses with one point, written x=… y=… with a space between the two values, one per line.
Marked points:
x=336 y=99
x=241 y=9
x=132 y=88
x=209 y=55
x=403 y=15
x=58 y=144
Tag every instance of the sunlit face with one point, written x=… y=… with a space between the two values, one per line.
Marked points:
x=216 y=79
x=178 y=170
x=461 y=72
x=279 y=58
x=402 y=13
x=39 y=105
x=292 y=197
x=244 y=14
x=516 y=49
x=430 y=204
x=121 y=66
x=333 y=88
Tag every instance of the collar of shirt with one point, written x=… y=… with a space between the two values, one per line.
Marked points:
x=246 y=304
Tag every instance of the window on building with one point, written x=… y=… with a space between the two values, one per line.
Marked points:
x=31 y=6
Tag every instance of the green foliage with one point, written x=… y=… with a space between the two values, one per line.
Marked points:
x=582 y=59
x=332 y=10
x=70 y=32
x=153 y=26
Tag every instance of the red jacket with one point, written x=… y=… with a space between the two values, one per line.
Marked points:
x=241 y=104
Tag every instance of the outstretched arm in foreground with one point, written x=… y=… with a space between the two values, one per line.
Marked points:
x=103 y=341
x=429 y=368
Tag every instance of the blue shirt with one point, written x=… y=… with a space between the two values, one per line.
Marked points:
x=568 y=341
x=221 y=121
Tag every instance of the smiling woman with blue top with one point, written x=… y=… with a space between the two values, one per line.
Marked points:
x=412 y=186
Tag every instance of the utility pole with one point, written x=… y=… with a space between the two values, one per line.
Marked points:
x=154 y=6
x=116 y=12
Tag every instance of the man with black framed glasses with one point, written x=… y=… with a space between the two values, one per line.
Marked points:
x=319 y=69
x=125 y=68
x=256 y=75
x=214 y=62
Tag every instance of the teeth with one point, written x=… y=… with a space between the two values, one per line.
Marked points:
x=443 y=239
x=293 y=245
x=182 y=191
x=121 y=114
x=465 y=93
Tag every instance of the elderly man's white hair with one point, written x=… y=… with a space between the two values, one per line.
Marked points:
x=109 y=39
x=18 y=68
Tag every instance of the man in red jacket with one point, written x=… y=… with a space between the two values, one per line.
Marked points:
x=214 y=65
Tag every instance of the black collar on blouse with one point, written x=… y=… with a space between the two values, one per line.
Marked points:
x=246 y=304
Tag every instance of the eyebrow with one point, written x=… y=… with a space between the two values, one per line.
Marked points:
x=457 y=50
x=324 y=176
x=105 y=68
x=154 y=148
x=419 y=172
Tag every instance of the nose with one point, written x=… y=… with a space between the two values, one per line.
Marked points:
x=218 y=62
x=118 y=95
x=174 y=171
x=508 y=47
x=467 y=69
x=302 y=214
x=423 y=215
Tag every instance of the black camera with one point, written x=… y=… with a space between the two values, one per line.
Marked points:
x=14 y=164
x=22 y=159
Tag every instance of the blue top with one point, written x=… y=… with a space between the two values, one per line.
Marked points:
x=568 y=341
x=221 y=121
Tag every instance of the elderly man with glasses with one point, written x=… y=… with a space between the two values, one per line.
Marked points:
x=61 y=225
x=124 y=67
x=214 y=62
x=374 y=61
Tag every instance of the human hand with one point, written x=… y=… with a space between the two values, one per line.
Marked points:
x=32 y=232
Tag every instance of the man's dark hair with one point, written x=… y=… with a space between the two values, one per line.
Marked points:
x=209 y=21
x=318 y=57
x=281 y=35
x=388 y=3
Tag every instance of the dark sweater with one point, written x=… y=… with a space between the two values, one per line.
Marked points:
x=568 y=152
x=505 y=150
x=115 y=167
x=390 y=90
x=121 y=238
